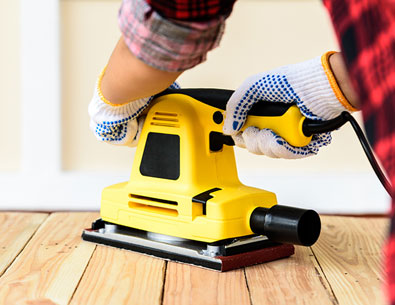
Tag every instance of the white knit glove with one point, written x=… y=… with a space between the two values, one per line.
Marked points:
x=310 y=85
x=117 y=124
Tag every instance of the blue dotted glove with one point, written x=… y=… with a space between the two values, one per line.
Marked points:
x=117 y=124
x=310 y=85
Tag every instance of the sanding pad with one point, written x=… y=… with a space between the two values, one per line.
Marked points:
x=221 y=256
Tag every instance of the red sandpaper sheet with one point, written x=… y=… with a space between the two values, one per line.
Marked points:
x=256 y=257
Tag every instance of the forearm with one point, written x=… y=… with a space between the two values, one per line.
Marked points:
x=127 y=78
x=340 y=72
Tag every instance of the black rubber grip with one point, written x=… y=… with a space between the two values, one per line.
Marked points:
x=311 y=127
x=218 y=98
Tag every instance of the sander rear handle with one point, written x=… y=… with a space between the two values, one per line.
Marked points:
x=297 y=133
x=218 y=98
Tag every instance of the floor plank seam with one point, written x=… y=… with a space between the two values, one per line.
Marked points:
x=248 y=287
x=162 y=296
x=23 y=248
x=323 y=273
x=82 y=275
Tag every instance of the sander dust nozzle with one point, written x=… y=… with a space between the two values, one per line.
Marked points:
x=287 y=224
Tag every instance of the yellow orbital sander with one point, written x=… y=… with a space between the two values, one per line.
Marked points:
x=184 y=201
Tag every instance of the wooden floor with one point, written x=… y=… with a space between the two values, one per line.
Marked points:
x=43 y=261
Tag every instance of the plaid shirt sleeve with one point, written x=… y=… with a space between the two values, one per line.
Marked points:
x=169 y=44
x=192 y=9
x=366 y=32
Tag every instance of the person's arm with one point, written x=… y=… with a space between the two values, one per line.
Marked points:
x=127 y=78
x=151 y=54
x=122 y=93
x=340 y=72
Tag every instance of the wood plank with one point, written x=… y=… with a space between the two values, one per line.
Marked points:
x=187 y=284
x=51 y=265
x=294 y=280
x=18 y=229
x=116 y=276
x=350 y=254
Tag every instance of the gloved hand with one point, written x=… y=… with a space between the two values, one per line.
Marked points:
x=310 y=85
x=117 y=124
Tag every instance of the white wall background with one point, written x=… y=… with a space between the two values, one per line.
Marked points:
x=51 y=54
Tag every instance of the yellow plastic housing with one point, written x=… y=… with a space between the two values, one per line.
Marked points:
x=166 y=206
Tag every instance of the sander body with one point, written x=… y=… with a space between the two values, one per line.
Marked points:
x=184 y=201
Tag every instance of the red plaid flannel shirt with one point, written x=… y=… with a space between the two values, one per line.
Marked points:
x=366 y=33
x=196 y=10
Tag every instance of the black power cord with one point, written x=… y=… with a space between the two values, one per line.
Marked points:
x=311 y=127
